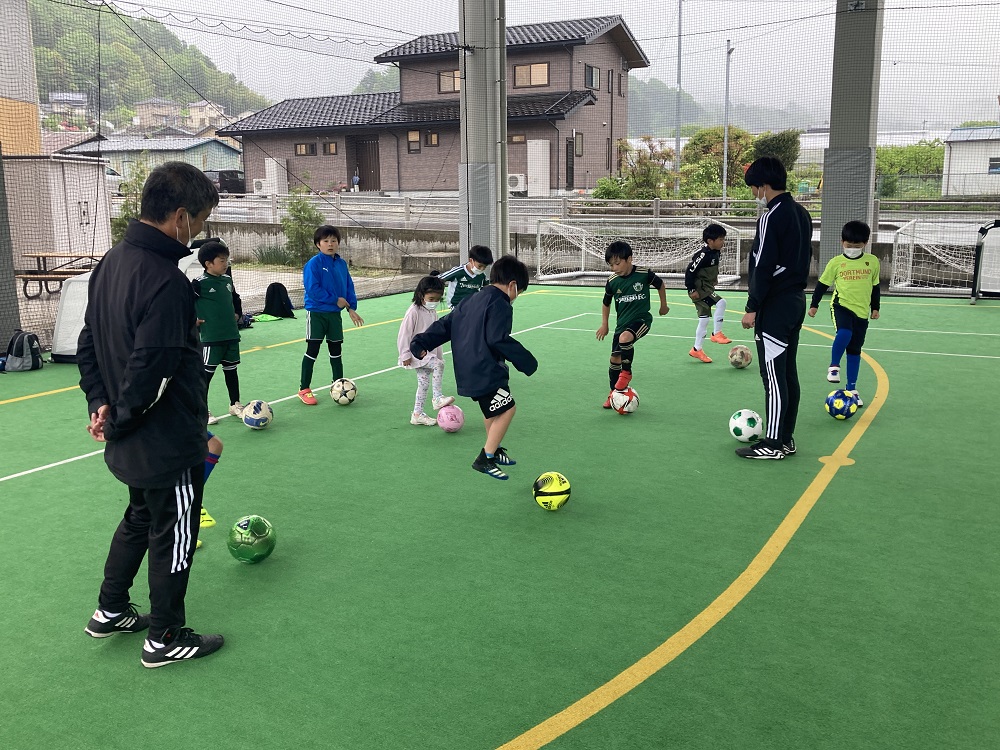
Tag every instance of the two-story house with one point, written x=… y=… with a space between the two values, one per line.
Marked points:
x=203 y=114
x=567 y=105
x=156 y=111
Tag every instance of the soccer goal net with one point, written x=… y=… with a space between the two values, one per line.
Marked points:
x=573 y=249
x=986 y=278
x=934 y=257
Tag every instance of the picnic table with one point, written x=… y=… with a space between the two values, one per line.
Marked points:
x=54 y=269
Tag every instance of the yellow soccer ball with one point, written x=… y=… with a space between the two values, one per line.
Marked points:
x=551 y=490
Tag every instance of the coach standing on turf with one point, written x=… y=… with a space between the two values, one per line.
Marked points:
x=141 y=370
x=776 y=304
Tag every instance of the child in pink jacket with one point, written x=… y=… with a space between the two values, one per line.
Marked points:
x=430 y=369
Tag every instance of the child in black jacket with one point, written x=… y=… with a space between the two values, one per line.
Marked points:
x=481 y=345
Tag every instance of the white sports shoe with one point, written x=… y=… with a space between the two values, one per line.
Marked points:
x=422 y=419
x=833 y=374
x=211 y=419
x=237 y=409
x=440 y=403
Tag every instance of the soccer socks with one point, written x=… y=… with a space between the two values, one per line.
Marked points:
x=336 y=363
x=307 y=371
x=628 y=355
x=840 y=342
x=699 y=336
x=210 y=462
x=232 y=383
x=613 y=372
x=720 y=313
x=853 y=368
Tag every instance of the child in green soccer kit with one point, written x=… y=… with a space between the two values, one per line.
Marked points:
x=629 y=288
x=700 y=279
x=854 y=277
x=467 y=279
x=218 y=308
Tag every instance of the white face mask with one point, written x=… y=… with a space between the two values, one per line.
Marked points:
x=761 y=200
x=431 y=305
x=476 y=271
x=854 y=252
x=177 y=232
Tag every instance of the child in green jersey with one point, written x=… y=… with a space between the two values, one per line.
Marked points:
x=629 y=288
x=854 y=277
x=464 y=281
x=216 y=304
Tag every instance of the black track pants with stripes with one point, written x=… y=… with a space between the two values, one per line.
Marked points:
x=776 y=332
x=163 y=521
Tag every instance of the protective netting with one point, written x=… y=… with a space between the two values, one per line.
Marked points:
x=574 y=249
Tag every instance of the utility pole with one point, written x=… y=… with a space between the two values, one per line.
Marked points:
x=677 y=109
x=725 y=131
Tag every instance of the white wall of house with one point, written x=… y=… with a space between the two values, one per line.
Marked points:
x=966 y=168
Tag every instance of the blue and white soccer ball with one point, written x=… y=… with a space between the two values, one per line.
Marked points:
x=842 y=404
x=257 y=415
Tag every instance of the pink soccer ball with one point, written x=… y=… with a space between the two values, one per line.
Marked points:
x=450 y=418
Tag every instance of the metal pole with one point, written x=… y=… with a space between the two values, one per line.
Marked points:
x=677 y=109
x=725 y=132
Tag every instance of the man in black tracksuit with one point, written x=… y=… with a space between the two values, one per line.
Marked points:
x=479 y=330
x=776 y=304
x=141 y=370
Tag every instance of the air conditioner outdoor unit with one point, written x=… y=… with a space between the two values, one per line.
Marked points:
x=517 y=183
x=258 y=185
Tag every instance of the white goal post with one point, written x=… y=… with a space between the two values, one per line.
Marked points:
x=571 y=249
x=934 y=257
x=986 y=274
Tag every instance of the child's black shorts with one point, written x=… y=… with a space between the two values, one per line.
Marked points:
x=495 y=403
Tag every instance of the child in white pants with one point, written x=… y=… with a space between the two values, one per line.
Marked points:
x=430 y=369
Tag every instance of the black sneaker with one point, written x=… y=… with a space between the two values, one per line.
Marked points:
x=502 y=458
x=185 y=644
x=129 y=621
x=760 y=450
x=788 y=448
x=488 y=466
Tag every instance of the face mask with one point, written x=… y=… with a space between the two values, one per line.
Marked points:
x=431 y=305
x=761 y=201
x=177 y=232
x=512 y=293
x=854 y=252
x=477 y=271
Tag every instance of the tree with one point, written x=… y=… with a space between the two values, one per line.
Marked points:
x=979 y=124
x=924 y=157
x=300 y=224
x=707 y=145
x=131 y=188
x=375 y=81
x=784 y=146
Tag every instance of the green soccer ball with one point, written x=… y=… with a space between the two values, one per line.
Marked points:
x=251 y=539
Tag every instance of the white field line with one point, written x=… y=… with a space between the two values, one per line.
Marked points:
x=276 y=401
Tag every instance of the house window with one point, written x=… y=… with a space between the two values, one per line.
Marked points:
x=430 y=139
x=305 y=149
x=579 y=144
x=413 y=141
x=591 y=77
x=517 y=138
x=609 y=157
x=611 y=82
x=536 y=74
x=449 y=82
x=994 y=167
x=621 y=85
x=330 y=148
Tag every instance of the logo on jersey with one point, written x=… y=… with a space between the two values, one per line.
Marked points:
x=637 y=286
x=631 y=298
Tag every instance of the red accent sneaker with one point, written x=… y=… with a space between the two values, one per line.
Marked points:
x=623 y=380
x=306 y=397
x=699 y=354
x=607 y=404
x=720 y=338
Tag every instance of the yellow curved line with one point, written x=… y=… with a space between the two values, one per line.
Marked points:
x=657 y=659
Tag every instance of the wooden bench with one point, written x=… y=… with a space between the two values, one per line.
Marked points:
x=44 y=279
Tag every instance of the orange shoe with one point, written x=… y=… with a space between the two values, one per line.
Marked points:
x=720 y=338
x=607 y=404
x=623 y=380
x=306 y=397
x=699 y=354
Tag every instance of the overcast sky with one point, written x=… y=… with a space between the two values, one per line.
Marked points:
x=940 y=59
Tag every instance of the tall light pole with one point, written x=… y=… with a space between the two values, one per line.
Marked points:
x=725 y=131
x=677 y=109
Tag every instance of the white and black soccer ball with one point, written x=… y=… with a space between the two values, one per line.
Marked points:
x=343 y=391
x=746 y=425
x=626 y=401
x=257 y=415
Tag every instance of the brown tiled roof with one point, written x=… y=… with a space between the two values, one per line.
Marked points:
x=551 y=33
x=384 y=111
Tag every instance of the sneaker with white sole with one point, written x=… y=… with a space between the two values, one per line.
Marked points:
x=760 y=450
x=102 y=625
x=211 y=419
x=440 y=403
x=422 y=419
x=833 y=374
x=857 y=397
x=488 y=466
x=180 y=645
x=236 y=409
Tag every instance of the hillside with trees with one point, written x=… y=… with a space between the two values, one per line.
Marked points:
x=135 y=60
